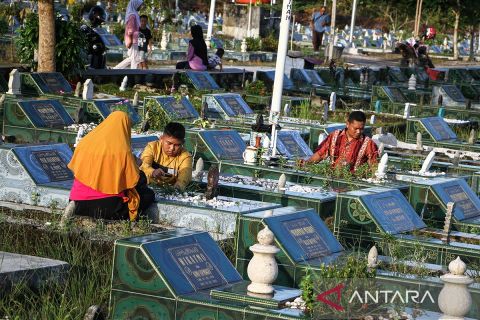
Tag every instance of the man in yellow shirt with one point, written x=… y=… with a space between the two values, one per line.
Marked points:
x=165 y=161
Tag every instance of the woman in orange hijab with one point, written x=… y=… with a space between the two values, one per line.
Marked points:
x=106 y=172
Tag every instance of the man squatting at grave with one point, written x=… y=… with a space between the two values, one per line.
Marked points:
x=108 y=183
x=166 y=162
x=348 y=146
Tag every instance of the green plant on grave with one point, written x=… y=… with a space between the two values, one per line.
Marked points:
x=306 y=285
x=201 y=123
x=256 y=88
x=53 y=205
x=70 y=54
x=253 y=44
x=270 y=43
x=365 y=171
x=35 y=197
x=415 y=163
x=155 y=116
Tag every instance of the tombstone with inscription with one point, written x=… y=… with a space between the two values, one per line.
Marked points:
x=268 y=78
x=438 y=193
x=396 y=75
x=172 y=109
x=305 y=77
x=216 y=145
x=365 y=216
x=184 y=274
x=37 y=121
x=41 y=83
x=36 y=175
x=451 y=96
x=226 y=106
x=433 y=129
x=304 y=240
x=100 y=109
x=202 y=80
x=291 y=145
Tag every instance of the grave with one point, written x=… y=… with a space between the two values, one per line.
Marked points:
x=268 y=78
x=322 y=200
x=44 y=83
x=459 y=75
x=172 y=108
x=397 y=75
x=202 y=80
x=184 y=274
x=291 y=145
x=435 y=194
x=36 y=174
x=370 y=216
x=35 y=272
x=215 y=145
x=451 y=96
x=105 y=106
x=110 y=40
x=305 y=77
x=433 y=129
x=226 y=106
x=304 y=240
x=35 y=121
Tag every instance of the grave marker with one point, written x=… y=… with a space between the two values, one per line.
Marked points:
x=395 y=94
x=182 y=109
x=46 y=113
x=226 y=105
x=438 y=129
x=467 y=204
x=291 y=144
x=202 y=80
x=107 y=106
x=48 y=82
x=225 y=144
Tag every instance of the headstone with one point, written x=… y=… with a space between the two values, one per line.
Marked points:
x=419 y=141
x=212 y=183
x=123 y=86
x=472 y=137
x=427 y=163
x=372 y=119
x=182 y=109
x=438 y=129
x=77 y=89
x=110 y=40
x=392 y=212
x=46 y=113
x=135 y=99
x=163 y=42
x=286 y=110
x=291 y=144
x=467 y=203
x=227 y=105
x=325 y=112
x=243 y=47
x=107 y=106
x=412 y=83
x=406 y=111
x=333 y=101
x=14 y=83
x=382 y=167
x=282 y=181
x=447 y=225
x=87 y=90
x=224 y=144
x=395 y=94
x=202 y=80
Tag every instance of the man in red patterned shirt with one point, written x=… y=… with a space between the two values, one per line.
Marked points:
x=348 y=146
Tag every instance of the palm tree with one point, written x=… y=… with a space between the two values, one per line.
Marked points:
x=46 y=37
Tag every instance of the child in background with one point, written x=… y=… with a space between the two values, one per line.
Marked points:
x=144 y=42
x=216 y=59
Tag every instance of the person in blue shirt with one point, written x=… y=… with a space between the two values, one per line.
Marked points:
x=320 y=22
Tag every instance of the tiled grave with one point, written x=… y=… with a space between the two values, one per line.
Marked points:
x=451 y=96
x=226 y=106
x=434 y=196
x=37 y=121
x=433 y=129
x=202 y=80
x=372 y=215
x=184 y=274
x=35 y=272
x=172 y=108
x=268 y=77
x=304 y=240
x=36 y=175
x=291 y=144
x=39 y=83
x=139 y=143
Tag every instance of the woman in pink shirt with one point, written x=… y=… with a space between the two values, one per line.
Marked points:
x=197 y=55
x=132 y=27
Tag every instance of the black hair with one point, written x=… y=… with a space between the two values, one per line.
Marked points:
x=220 y=52
x=175 y=130
x=199 y=46
x=357 y=116
x=144 y=16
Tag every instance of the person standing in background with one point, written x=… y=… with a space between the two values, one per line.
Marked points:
x=132 y=27
x=320 y=22
x=144 y=42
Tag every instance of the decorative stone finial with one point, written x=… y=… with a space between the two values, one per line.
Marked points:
x=372 y=119
x=457 y=267
x=406 y=110
x=163 y=41
x=419 y=141
x=14 y=83
x=243 y=47
x=412 y=82
x=472 y=137
x=199 y=166
x=382 y=167
x=262 y=268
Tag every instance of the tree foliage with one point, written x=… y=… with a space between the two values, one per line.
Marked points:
x=70 y=55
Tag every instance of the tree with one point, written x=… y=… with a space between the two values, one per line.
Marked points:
x=46 y=37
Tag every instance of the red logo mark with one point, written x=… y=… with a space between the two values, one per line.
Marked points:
x=338 y=290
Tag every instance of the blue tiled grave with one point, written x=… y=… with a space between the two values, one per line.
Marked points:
x=46 y=113
x=226 y=105
x=202 y=80
x=291 y=144
x=182 y=109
